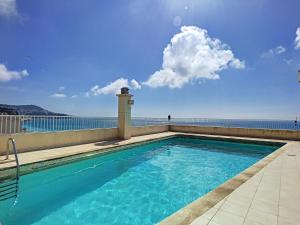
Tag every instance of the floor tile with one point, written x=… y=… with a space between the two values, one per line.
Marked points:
x=200 y=221
x=225 y=218
x=261 y=217
x=265 y=207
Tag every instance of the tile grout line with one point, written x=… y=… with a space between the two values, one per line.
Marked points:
x=218 y=209
x=254 y=196
x=297 y=164
x=280 y=184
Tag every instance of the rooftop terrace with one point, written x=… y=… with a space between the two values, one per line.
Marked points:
x=266 y=193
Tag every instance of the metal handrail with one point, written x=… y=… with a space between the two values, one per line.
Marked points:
x=7 y=188
x=11 y=140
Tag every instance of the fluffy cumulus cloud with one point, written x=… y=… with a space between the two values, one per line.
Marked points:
x=7 y=75
x=297 y=40
x=134 y=84
x=8 y=8
x=114 y=87
x=193 y=55
x=273 y=52
x=58 y=95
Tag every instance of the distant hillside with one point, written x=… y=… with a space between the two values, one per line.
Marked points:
x=26 y=110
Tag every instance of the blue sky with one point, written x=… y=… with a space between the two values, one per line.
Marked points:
x=70 y=56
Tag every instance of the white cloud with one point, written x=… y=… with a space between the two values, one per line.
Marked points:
x=193 y=55
x=8 y=8
x=237 y=64
x=273 y=51
x=74 y=96
x=62 y=88
x=58 y=95
x=135 y=85
x=7 y=75
x=297 y=40
x=113 y=87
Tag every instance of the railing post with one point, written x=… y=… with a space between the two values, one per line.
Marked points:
x=124 y=113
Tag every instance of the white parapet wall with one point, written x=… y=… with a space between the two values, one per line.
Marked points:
x=37 y=141
x=151 y=129
x=239 y=132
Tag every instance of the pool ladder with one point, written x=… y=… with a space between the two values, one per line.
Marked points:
x=9 y=187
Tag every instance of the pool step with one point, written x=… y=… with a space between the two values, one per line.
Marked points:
x=7 y=180
x=7 y=185
x=6 y=198
x=8 y=195
x=8 y=189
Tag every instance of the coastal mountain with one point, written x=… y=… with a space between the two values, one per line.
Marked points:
x=26 y=110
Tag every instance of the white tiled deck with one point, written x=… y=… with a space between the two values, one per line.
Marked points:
x=271 y=197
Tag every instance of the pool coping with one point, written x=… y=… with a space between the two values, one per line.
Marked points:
x=194 y=209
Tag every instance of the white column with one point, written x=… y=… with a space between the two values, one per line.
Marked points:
x=124 y=113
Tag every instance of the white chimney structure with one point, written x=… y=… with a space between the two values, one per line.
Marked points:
x=124 y=113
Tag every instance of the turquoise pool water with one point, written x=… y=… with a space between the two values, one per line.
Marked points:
x=139 y=186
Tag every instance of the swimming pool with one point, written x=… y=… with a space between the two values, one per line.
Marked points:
x=140 y=185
